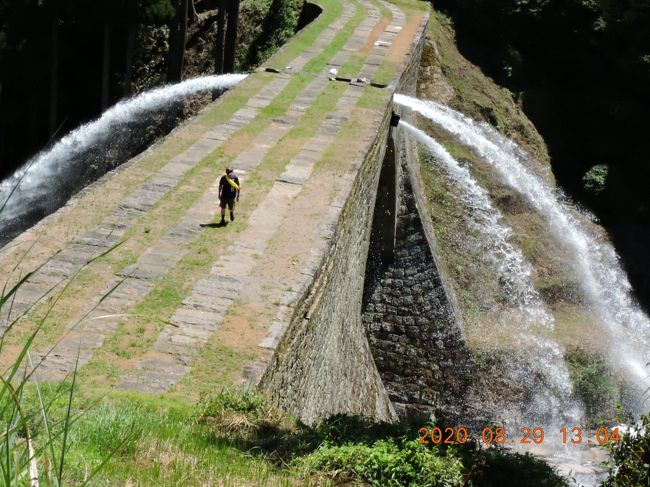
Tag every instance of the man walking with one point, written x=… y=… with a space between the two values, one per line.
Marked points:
x=228 y=192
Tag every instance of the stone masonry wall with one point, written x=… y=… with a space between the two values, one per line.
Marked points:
x=323 y=365
x=412 y=325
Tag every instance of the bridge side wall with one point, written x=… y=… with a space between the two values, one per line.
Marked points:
x=324 y=365
x=410 y=316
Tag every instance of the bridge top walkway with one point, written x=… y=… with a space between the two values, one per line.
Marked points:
x=133 y=281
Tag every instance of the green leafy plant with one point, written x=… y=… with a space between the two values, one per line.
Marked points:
x=233 y=400
x=157 y=11
x=278 y=26
x=595 y=179
x=386 y=463
x=631 y=457
x=498 y=467
x=36 y=424
x=595 y=385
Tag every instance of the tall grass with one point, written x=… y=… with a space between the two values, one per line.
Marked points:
x=35 y=420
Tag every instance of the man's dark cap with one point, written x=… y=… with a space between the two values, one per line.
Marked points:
x=228 y=170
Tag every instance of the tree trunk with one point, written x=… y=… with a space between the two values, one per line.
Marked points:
x=130 y=58
x=231 y=37
x=3 y=129
x=194 y=16
x=221 y=35
x=54 y=70
x=106 y=67
x=177 y=34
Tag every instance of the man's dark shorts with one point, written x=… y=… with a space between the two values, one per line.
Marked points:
x=230 y=203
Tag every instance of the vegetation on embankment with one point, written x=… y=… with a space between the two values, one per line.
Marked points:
x=447 y=77
x=581 y=70
x=596 y=386
x=631 y=457
x=235 y=438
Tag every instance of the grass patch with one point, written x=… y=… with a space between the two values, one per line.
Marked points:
x=346 y=449
x=166 y=445
x=386 y=72
x=202 y=379
x=125 y=260
x=146 y=321
x=374 y=98
x=353 y=67
x=596 y=386
x=410 y=5
x=383 y=9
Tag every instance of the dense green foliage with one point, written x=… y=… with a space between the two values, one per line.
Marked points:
x=581 y=70
x=631 y=458
x=233 y=400
x=156 y=11
x=595 y=385
x=387 y=463
x=353 y=449
x=278 y=26
x=595 y=179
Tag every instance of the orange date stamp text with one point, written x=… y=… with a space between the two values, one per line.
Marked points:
x=523 y=436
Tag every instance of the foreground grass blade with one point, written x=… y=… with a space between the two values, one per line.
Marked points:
x=66 y=427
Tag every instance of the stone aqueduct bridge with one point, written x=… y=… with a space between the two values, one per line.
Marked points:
x=327 y=279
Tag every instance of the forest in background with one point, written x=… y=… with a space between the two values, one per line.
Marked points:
x=62 y=62
x=581 y=71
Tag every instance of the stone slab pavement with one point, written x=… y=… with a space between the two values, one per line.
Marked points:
x=209 y=301
x=211 y=298
x=103 y=315
x=83 y=248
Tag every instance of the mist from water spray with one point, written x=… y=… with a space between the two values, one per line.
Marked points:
x=514 y=272
x=43 y=177
x=553 y=402
x=604 y=282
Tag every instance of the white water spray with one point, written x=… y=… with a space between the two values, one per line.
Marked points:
x=37 y=178
x=511 y=265
x=604 y=282
x=544 y=355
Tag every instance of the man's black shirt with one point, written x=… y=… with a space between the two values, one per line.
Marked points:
x=226 y=191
